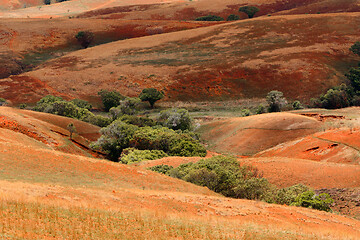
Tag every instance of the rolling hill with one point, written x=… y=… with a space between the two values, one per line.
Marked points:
x=243 y=59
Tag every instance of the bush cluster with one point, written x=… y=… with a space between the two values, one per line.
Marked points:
x=209 y=18
x=336 y=97
x=120 y=135
x=225 y=175
x=78 y=109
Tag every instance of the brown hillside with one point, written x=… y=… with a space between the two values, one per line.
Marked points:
x=193 y=9
x=25 y=43
x=237 y=60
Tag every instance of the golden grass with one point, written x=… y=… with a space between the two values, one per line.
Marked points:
x=34 y=220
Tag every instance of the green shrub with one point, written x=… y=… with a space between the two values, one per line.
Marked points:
x=220 y=174
x=232 y=17
x=309 y=199
x=260 y=109
x=131 y=155
x=46 y=102
x=110 y=99
x=187 y=147
x=355 y=48
x=138 y=121
x=85 y=38
x=288 y=195
x=164 y=169
x=249 y=10
x=98 y=120
x=245 y=112
x=254 y=188
x=175 y=119
x=209 y=18
x=2 y=101
x=296 y=105
x=47 y=2
x=22 y=105
x=82 y=104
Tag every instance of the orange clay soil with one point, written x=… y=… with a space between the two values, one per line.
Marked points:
x=249 y=135
x=44 y=176
x=49 y=129
x=339 y=145
x=243 y=59
x=170 y=9
x=65 y=8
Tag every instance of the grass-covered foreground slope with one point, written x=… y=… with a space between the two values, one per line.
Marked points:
x=300 y=55
x=45 y=193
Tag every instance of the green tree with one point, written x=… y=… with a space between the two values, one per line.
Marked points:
x=71 y=128
x=249 y=10
x=114 y=138
x=85 y=38
x=276 y=101
x=151 y=95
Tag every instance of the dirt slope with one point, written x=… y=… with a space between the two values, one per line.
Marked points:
x=237 y=60
x=249 y=135
x=338 y=145
x=47 y=131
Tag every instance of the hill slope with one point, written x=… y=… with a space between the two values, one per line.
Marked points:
x=237 y=60
x=46 y=184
